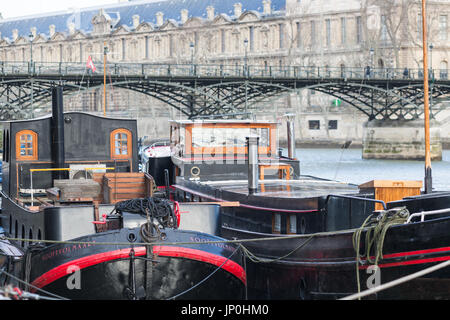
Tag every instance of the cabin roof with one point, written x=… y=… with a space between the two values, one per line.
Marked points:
x=68 y=112
x=222 y=121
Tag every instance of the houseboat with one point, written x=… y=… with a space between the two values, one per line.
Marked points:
x=318 y=238
x=85 y=224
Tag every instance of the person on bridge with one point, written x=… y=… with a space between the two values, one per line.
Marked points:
x=405 y=73
x=368 y=71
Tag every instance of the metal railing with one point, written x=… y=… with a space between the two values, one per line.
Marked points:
x=423 y=214
x=213 y=70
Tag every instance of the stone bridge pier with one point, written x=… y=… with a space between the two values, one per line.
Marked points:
x=400 y=140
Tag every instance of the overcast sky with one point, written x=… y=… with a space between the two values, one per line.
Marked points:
x=17 y=8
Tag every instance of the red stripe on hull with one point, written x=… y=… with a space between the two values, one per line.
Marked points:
x=166 y=251
x=415 y=261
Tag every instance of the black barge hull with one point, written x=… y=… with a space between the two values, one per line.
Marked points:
x=324 y=267
x=85 y=270
x=319 y=262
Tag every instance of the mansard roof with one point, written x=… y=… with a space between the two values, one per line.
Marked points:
x=122 y=13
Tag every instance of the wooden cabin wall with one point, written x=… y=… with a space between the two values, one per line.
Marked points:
x=86 y=138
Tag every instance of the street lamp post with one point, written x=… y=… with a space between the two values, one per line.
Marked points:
x=431 y=60
x=246 y=74
x=432 y=78
x=372 y=52
x=192 y=48
x=105 y=53
x=31 y=37
x=245 y=57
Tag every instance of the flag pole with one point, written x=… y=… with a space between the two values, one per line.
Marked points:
x=428 y=176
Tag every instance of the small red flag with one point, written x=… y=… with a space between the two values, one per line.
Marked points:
x=90 y=64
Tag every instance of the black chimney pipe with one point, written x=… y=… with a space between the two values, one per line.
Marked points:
x=57 y=131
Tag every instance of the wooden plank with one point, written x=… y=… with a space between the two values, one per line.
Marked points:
x=392 y=184
x=78 y=188
x=124 y=174
x=128 y=184
x=127 y=196
x=123 y=180
x=123 y=189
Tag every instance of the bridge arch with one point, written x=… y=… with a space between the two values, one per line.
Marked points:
x=194 y=96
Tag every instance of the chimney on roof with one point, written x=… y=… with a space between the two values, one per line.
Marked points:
x=210 y=12
x=51 y=30
x=15 y=34
x=184 y=15
x=136 y=21
x=33 y=31
x=267 y=7
x=237 y=9
x=159 y=18
x=71 y=28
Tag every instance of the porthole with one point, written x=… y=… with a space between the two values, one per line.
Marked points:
x=131 y=237
x=195 y=171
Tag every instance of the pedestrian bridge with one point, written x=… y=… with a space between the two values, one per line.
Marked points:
x=224 y=90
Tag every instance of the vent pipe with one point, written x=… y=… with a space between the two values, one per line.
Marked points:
x=253 y=168
x=290 y=118
x=57 y=131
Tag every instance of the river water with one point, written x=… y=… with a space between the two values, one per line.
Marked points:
x=347 y=165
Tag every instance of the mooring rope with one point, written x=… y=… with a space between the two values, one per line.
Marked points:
x=32 y=286
x=376 y=226
x=397 y=282
x=257 y=259
x=206 y=278
x=238 y=241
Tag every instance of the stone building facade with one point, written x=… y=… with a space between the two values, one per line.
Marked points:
x=263 y=33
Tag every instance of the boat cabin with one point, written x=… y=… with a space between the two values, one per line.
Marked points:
x=92 y=145
x=60 y=176
x=200 y=139
x=214 y=149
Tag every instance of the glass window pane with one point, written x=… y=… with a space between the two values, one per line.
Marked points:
x=120 y=143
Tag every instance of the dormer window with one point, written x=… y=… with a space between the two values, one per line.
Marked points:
x=121 y=144
x=26 y=145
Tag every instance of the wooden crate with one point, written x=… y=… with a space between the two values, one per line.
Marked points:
x=77 y=190
x=391 y=190
x=126 y=185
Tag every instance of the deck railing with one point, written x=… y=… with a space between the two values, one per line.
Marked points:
x=213 y=70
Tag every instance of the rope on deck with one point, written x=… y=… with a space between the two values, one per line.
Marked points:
x=376 y=226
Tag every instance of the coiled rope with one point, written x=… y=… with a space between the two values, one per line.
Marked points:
x=376 y=226
x=153 y=208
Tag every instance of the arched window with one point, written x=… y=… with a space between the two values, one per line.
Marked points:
x=121 y=144
x=342 y=67
x=443 y=72
x=26 y=145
